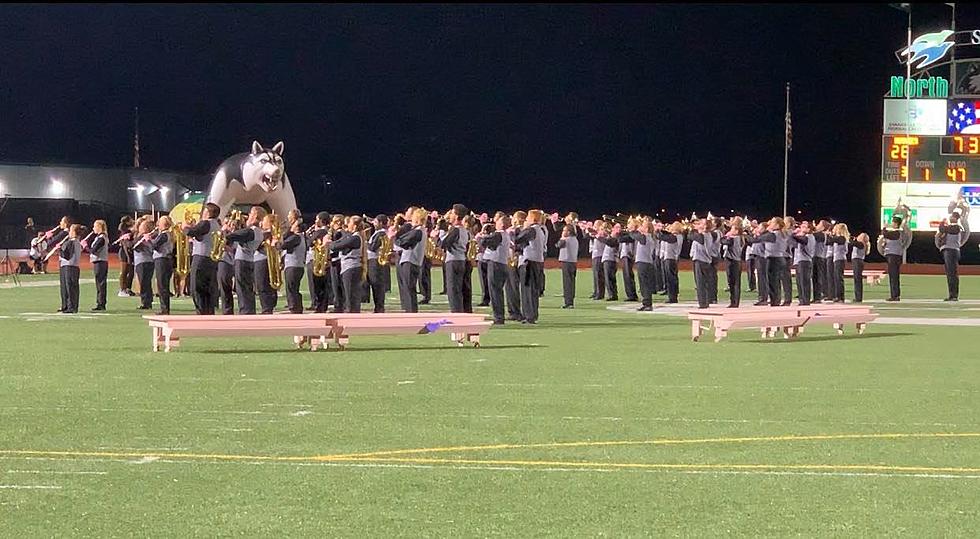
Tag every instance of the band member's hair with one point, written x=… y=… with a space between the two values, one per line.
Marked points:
x=863 y=238
x=259 y=211
x=535 y=216
x=400 y=220
x=74 y=230
x=323 y=217
x=126 y=220
x=212 y=210
x=381 y=221
x=675 y=228
x=573 y=215
x=144 y=226
x=294 y=215
x=519 y=216
x=66 y=220
x=167 y=219
x=497 y=215
x=569 y=229
x=418 y=217
x=778 y=221
x=100 y=225
x=460 y=210
x=503 y=218
x=337 y=220
x=355 y=220
x=840 y=229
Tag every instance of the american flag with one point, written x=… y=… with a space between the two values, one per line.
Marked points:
x=962 y=117
x=789 y=132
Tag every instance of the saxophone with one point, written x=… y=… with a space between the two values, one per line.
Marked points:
x=471 y=250
x=183 y=254
x=272 y=255
x=384 y=250
x=320 y=259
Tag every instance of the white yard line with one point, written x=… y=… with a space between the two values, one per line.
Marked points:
x=55 y=472
x=24 y=283
x=30 y=487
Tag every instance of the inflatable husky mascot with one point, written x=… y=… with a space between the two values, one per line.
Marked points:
x=253 y=178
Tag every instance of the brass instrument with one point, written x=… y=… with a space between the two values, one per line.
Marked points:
x=472 y=249
x=321 y=258
x=432 y=252
x=218 y=240
x=183 y=254
x=364 y=259
x=273 y=257
x=385 y=250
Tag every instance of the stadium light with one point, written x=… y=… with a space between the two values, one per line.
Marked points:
x=57 y=187
x=164 y=190
x=140 y=189
x=187 y=194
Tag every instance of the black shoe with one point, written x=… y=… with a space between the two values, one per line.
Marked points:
x=311 y=308
x=95 y=309
x=143 y=308
x=732 y=306
x=892 y=299
x=515 y=318
x=612 y=299
x=951 y=299
x=424 y=302
x=567 y=306
x=633 y=299
x=162 y=313
x=671 y=301
x=482 y=304
x=645 y=308
x=761 y=303
x=498 y=322
x=787 y=303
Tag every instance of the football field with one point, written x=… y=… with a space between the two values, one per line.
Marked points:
x=598 y=421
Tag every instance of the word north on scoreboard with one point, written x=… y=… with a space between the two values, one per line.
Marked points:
x=922 y=158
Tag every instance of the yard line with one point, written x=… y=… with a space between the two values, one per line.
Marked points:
x=56 y=472
x=30 y=487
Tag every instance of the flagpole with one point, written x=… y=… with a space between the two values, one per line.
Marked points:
x=786 y=152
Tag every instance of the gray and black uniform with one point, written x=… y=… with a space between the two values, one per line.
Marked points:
x=839 y=252
x=610 y=248
x=858 y=252
x=268 y=296
x=412 y=242
x=294 y=266
x=598 y=279
x=247 y=241
x=454 y=244
x=701 y=257
x=377 y=285
x=820 y=275
x=321 y=289
x=532 y=241
x=732 y=251
x=68 y=271
x=803 y=259
x=226 y=280
x=892 y=246
x=950 y=239
x=568 y=258
x=348 y=248
x=627 y=257
x=163 y=268
x=143 y=260
x=758 y=250
x=496 y=253
x=645 y=266
x=204 y=271
x=670 y=250
x=99 y=256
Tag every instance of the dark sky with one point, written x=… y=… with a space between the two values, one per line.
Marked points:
x=593 y=108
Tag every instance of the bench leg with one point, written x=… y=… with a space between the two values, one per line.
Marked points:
x=156 y=339
x=474 y=338
x=720 y=334
x=861 y=327
x=342 y=341
x=166 y=343
x=695 y=330
x=839 y=328
x=299 y=341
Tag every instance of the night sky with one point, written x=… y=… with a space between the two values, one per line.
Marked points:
x=588 y=108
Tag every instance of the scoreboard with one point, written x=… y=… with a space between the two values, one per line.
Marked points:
x=954 y=158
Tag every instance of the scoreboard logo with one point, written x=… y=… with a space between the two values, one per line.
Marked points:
x=971 y=195
x=928 y=49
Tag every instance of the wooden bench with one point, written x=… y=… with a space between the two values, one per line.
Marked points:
x=789 y=319
x=872 y=277
x=462 y=327
x=314 y=328
x=167 y=330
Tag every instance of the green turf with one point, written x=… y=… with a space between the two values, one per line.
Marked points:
x=91 y=384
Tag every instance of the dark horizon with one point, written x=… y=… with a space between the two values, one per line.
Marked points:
x=590 y=108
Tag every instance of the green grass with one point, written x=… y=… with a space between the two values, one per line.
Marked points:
x=91 y=384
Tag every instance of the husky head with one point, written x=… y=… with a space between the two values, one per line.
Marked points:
x=264 y=168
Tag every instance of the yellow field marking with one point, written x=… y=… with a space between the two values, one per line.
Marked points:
x=657 y=466
x=390 y=456
x=556 y=445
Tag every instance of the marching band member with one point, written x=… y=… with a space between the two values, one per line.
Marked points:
x=514 y=307
x=659 y=283
x=319 y=234
x=859 y=249
x=483 y=265
x=497 y=249
x=425 y=272
x=532 y=242
x=336 y=285
x=713 y=239
x=671 y=242
x=892 y=244
x=203 y=271
x=627 y=257
x=248 y=240
x=163 y=264
x=596 y=249
x=820 y=276
x=348 y=247
x=803 y=259
x=143 y=260
x=268 y=296
x=98 y=251
x=608 y=238
x=775 y=248
x=733 y=248
x=411 y=239
x=645 y=248
x=952 y=235
x=839 y=238
x=226 y=273
x=454 y=243
x=786 y=277
x=701 y=256
x=568 y=257
x=68 y=255
x=751 y=257
x=758 y=249
x=473 y=227
x=376 y=270
x=294 y=247
x=127 y=228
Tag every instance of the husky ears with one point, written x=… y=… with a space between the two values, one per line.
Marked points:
x=278 y=148
x=257 y=148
